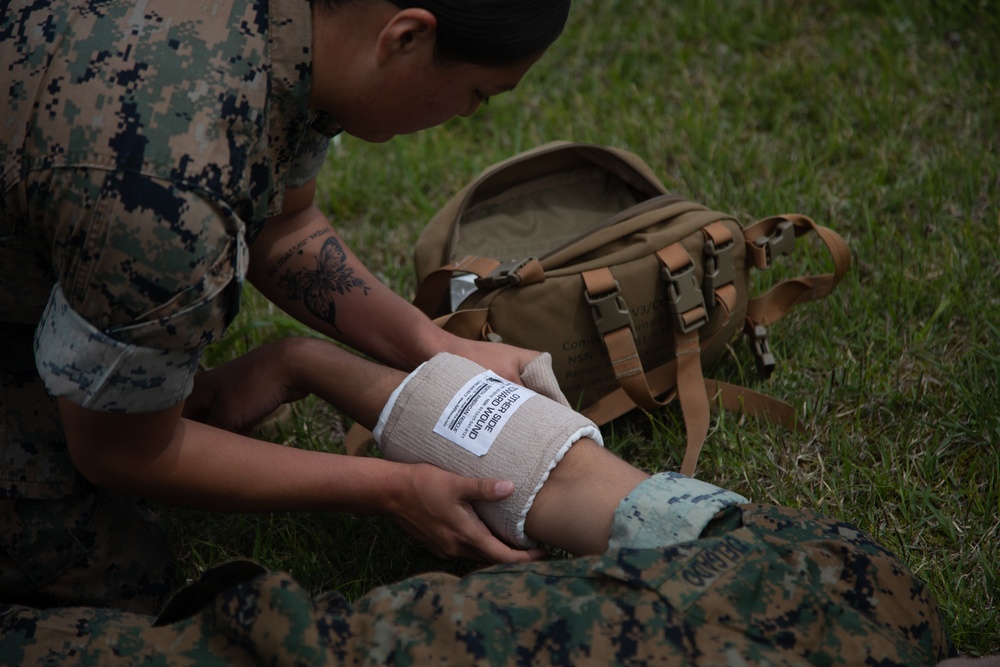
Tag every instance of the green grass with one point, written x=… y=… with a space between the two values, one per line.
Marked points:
x=880 y=119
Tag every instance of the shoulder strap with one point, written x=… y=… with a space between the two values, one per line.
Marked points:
x=774 y=236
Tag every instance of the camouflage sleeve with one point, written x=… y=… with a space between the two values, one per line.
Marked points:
x=147 y=274
x=81 y=363
x=309 y=160
x=312 y=149
x=666 y=509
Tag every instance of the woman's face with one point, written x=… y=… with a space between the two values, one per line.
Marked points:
x=415 y=95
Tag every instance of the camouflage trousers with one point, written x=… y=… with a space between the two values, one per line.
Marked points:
x=92 y=548
x=762 y=585
x=63 y=541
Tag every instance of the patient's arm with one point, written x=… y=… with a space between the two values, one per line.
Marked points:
x=574 y=508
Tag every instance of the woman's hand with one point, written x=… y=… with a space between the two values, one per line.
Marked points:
x=526 y=367
x=434 y=506
x=506 y=361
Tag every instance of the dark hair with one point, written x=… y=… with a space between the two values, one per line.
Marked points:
x=490 y=32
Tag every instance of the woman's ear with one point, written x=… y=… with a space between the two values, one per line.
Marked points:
x=408 y=31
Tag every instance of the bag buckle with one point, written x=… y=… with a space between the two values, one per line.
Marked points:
x=505 y=275
x=779 y=242
x=719 y=269
x=685 y=298
x=609 y=310
x=762 y=351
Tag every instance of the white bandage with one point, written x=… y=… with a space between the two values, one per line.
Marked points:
x=455 y=414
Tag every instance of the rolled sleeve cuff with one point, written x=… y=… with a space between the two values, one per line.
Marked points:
x=80 y=363
x=668 y=509
x=310 y=159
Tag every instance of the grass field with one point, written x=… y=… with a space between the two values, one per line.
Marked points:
x=878 y=118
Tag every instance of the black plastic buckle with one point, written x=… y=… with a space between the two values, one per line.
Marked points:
x=719 y=269
x=780 y=242
x=762 y=351
x=610 y=311
x=505 y=275
x=684 y=295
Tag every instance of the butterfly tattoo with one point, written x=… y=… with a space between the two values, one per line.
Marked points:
x=316 y=287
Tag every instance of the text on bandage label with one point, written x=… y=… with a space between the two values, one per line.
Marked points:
x=479 y=410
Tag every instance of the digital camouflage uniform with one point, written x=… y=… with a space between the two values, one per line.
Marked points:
x=142 y=146
x=761 y=585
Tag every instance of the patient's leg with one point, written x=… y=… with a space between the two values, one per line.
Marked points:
x=568 y=488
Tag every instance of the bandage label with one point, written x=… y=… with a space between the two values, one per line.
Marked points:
x=479 y=411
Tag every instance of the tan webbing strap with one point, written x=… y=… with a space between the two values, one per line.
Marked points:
x=775 y=235
x=735 y=398
x=468 y=324
x=694 y=400
x=602 y=289
x=718 y=232
x=599 y=282
x=689 y=306
x=726 y=297
x=720 y=273
x=433 y=292
x=531 y=272
x=687 y=301
x=730 y=397
x=619 y=342
x=626 y=364
x=614 y=325
x=617 y=403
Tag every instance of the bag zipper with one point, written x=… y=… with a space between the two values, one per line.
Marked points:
x=453 y=245
x=630 y=212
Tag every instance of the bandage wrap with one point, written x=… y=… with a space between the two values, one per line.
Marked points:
x=453 y=413
x=538 y=376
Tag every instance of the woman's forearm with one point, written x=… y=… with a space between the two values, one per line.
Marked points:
x=163 y=457
x=300 y=264
x=178 y=461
